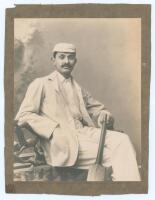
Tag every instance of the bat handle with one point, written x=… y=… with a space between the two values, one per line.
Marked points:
x=101 y=142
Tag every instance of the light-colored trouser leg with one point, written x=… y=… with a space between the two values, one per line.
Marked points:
x=118 y=153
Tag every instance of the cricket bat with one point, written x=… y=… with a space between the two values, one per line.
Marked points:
x=97 y=171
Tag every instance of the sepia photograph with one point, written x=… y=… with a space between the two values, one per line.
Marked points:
x=77 y=101
x=56 y=63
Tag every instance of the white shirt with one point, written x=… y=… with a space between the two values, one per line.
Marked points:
x=71 y=99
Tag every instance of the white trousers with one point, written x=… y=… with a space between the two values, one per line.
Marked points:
x=118 y=153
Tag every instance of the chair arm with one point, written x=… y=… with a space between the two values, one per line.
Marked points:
x=28 y=143
x=20 y=135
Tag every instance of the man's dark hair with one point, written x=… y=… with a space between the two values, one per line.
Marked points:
x=54 y=54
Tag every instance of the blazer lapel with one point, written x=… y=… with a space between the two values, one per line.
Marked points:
x=53 y=77
x=82 y=105
x=62 y=107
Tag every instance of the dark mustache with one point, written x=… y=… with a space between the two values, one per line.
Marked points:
x=66 y=65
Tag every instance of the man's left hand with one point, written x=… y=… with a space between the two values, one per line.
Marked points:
x=110 y=119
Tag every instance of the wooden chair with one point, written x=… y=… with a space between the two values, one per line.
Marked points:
x=30 y=164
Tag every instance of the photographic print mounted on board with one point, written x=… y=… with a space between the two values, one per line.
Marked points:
x=77 y=99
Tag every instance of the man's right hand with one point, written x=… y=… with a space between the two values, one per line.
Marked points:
x=110 y=119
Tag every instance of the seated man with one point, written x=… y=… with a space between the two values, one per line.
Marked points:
x=68 y=121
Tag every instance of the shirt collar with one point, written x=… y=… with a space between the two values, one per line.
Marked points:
x=61 y=78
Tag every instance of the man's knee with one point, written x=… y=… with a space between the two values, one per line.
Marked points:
x=125 y=137
x=120 y=135
x=126 y=141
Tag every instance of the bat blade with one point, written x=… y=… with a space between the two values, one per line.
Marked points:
x=96 y=173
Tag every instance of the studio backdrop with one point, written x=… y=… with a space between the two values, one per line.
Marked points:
x=108 y=62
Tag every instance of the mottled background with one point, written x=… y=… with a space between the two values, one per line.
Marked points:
x=109 y=62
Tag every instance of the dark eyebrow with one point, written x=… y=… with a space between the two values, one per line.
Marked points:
x=67 y=53
x=61 y=55
x=72 y=55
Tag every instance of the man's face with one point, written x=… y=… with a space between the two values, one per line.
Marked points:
x=64 y=63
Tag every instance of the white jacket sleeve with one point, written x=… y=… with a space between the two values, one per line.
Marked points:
x=93 y=106
x=29 y=111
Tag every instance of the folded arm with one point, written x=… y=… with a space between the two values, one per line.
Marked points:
x=29 y=112
x=97 y=110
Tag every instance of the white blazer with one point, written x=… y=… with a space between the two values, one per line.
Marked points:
x=44 y=110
